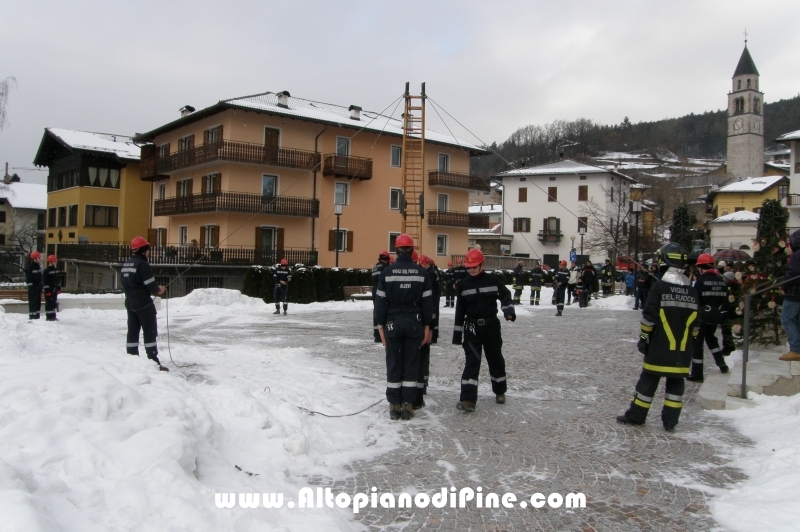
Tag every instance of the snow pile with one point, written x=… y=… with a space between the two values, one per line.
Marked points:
x=217 y=297
x=618 y=302
x=768 y=499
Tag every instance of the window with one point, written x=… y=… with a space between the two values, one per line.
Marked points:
x=552 y=193
x=395 y=196
x=40 y=221
x=583 y=223
x=397 y=152
x=161 y=237
x=62 y=180
x=269 y=185
x=162 y=191
x=624 y=228
x=739 y=85
x=342 y=146
x=783 y=191
x=341 y=194
x=583 y=192
x=163 y=150
x=748 y=83
x=183 y=235
x=184 y=188
x=101 y=216
x=268 y=238
x=73 y=215
x=611 y=195
x=582 y=178
x=444 y=162
x=523 y=179
x=341 y=240
x=523 y=194
x=442 y=201
x=209 y=236
x=552 y=225
x=211 y=183
x=392 y=240
x=552 y=178
x=51 y=217
x=214 y=134
x=737 y=209
x=186 y=143
x=522 y=225
x=3 y=217
x=62 y=216
x=441 y=244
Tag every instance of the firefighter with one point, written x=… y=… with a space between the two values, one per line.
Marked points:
x=139 y=286
x=33 y=280
x=384 y=259
x=425 y=350
x=589 y=277
x=404 y=313
x=519 y=282
x=51 y=282
x=560 y=281
x=449 y=289
x=669 y=320
x=476 y=326
x=536 y=283
x=459 y=273
x=712 y=293
x=282 y=276
x=607 y=278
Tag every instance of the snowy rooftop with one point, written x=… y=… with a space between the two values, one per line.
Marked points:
x=495 y=229
x=561 y=167
x=120 y=145
x=492 y=208
x=794 y=135
x=740 y=216
x=751 y=184
x=25 y=195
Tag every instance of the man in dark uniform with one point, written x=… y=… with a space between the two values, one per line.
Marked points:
x=139 y=286
x=536 y=283
x=384 y=259
x=282 y=276
x=476 y=326
x=519 y=282
x=459 y=273
x=711 y=295
x=669 y=321
x=560 y=281
x=449 y=290
x=425 y=350
x=33 y=280
x=403 y=312
x=51 y=283
x=589 y=277
x=607 y=274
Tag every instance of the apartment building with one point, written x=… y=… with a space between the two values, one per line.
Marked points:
x=22 y=223
x=255 y=179
x=792 y=201
x=746 y=195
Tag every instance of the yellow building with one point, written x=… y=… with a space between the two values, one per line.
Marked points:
x=746 y=195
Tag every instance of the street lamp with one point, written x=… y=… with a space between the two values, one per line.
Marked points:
x=636 y=208
x=337 y=210
x=582 y=232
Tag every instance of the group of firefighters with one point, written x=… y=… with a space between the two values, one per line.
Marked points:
x=38 y=281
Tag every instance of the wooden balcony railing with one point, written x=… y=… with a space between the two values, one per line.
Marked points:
x=550 y=236
x=347 y=166
x=118 y=252
x=792 y=200
x=237 y=202
x=225 y=150
x=452 y=179
x=458 y=219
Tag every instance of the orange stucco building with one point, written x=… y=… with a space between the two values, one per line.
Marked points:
x=256 y=179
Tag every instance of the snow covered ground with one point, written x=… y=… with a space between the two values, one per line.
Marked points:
x=93 y=439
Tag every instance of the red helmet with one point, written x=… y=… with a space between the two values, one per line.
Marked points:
x=474 y=258
x=563 y=263
x=404 y=241
x=414 y=255
x=458 y=261
x=423 y=260
x=52 y=258
x=138 y=242
x=284 y=262
x=705 y=258
x=449 y=263
x=35 y=255
x=384 y=254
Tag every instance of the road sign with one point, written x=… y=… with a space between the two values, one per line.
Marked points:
x=573 y=256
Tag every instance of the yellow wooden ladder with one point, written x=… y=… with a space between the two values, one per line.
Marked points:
x=414 y=165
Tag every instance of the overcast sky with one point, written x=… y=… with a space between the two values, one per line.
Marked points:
x=127 y=67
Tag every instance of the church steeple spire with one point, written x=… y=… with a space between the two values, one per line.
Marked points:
x=746 y=64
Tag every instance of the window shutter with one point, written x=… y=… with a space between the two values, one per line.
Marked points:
x=148 y=152
x=203 y=186
x=332 y=240
x=203 y=237
x=523 y=195
x=558 y=225
x=216 y=236
x=349 y=241
x=544 y=225
x=152 y=237
x=218 y=177
x=219 y=134
x=189 y=187
x=190 y=142
x=280 y=239
x=205 y=137
x=259 y=238
x=516 y=225
x=164 y=237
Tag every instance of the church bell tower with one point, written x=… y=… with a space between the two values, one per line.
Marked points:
x=746 y=120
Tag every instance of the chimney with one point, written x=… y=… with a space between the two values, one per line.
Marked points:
x=355 y=112
x=283 y=99
x=186 y=110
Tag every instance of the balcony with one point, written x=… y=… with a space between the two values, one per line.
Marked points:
x=347 y=166
x=459 y=219
x=550 y=236
x=454 y=180
x=791 y=200
x=155 y=169
x=237 y=202
x=118 y=252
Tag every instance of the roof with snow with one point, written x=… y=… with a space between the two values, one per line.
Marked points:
x=118 y=146
x=794 y=135
x=739 y=216
x=313 y=111
x=25 y=195
x=751 y=184
x=494 y=230
x=567 y=166
x=490 y=208
x=746 y=64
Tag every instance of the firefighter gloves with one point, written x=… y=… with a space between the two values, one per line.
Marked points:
x=643 y=345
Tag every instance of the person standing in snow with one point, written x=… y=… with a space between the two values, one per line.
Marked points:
x=572 y=282
x=560 y=281
x=519 y=282
x=669 y=322
x=790 y=314
x=459 y=273
x=384 y=259
x=140 y=286
x=282 y=276
x=449 y=289
x=51 y=278
x=537 y=275
x=589 y=277
x=425 y=350
x=404 y=313
x=712 y=293
x=33 y=280
x=607 y=275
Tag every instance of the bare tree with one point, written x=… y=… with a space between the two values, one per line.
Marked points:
x=5 y=88
x=608 y=224
x=19 y=246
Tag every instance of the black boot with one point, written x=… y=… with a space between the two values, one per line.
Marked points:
x=394 y=411
x=277 y=311
x=407 y=411
x=625 y=420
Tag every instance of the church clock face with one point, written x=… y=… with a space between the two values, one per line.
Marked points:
x=738 y=124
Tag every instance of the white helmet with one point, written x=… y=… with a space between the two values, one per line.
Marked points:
x=721 y=264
